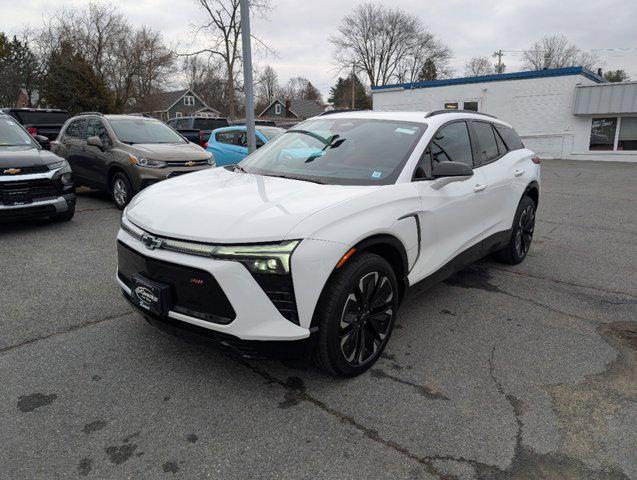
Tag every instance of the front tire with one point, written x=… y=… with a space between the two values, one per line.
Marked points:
x=121 y=190
x=521 y=234
x=356 y=315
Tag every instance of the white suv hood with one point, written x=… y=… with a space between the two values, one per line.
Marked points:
x=219 y=206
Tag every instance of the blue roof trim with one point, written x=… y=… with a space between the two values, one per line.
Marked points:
x=552 y=72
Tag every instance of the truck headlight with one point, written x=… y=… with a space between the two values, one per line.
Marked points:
x=270 y=258
x=146 y=162
x=60 y=164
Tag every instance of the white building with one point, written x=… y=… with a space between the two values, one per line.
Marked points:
x=559 y=113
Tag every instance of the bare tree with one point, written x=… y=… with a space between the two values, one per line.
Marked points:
x=478 y=66
x=222 y=30
x=557 y=52
x=267 y=86
x=386 y=44
x=206 y=79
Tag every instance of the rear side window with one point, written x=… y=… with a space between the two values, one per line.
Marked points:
x=452 y=144
x=76 y=129
x=226 y=137
x=486 y=140
x=510 y=137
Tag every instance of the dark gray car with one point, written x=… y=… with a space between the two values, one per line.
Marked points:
x=122 y=154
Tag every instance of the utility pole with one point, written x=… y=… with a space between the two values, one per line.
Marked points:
x=353 y=88
x=247 y=74
x=499 y=67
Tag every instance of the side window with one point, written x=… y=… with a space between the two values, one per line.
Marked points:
x=96 y=128
x=486 y=140
x=510 y=138
x=242 y=139
x=501 y=146
x=76 y=129
x=259 y=142
x=452 y=144
x=225 y=137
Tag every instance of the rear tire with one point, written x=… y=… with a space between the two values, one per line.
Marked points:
x=521 y=234
x=356 y=315
x=121 y=190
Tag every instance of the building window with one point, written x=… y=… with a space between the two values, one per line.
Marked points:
x=603 y=133
x=451 y=106
x=189 y=101
x=627 y=134
x=472 y=106
x=277 y=109
x=178 y=115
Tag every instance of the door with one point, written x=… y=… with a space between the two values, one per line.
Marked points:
x=224 y=147
x=452 y=219
x=96 y=159
x=74 y=143
x=495 y=163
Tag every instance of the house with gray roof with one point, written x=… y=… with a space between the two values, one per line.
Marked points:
x=292 y=110
x=176 y=104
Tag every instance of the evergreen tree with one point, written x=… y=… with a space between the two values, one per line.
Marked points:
x=72 y=84
x=341 y=94
x=616 y=76
x=428 y=71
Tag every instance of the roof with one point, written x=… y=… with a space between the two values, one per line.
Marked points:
x=299 y=107
x=415 y=117
x=551 y=72
x=163 y=101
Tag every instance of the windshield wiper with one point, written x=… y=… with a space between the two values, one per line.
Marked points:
x=240 y=168
x=290 y=177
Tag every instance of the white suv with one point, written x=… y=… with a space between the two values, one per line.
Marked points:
x=308 y=244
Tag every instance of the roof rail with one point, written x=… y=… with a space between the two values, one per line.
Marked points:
x=90 y=113
x=449 y=110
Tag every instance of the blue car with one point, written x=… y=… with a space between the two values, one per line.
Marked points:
x=229 y=145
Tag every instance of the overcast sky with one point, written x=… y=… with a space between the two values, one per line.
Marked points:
x=299 y=29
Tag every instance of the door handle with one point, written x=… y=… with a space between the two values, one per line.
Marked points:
x=479 y=187
x=518 y=172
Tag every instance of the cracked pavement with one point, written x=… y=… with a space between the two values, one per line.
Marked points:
x=525 y=372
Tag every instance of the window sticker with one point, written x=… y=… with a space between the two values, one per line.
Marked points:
x=376 y=174
x=405 y=130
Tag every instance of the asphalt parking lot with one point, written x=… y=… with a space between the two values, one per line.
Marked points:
x=526 y=372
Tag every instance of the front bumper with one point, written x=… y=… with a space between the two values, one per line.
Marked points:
x=255 y=316
x=145 y=177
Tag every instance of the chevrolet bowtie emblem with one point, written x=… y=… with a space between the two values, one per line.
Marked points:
x=190 y=164
x=12 y=171
x=151 y=243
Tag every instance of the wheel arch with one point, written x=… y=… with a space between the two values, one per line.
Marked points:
x=384 y=245
x=532 y=191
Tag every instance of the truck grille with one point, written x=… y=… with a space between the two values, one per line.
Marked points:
x=24 y=170
x=35 y=189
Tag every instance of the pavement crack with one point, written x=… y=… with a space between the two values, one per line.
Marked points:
x=301 y=394
x=515 y=404
x=425 y=390
x=562 y=282
x=73 y=328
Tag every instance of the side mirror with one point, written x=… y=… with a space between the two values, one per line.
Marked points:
x=451 y=169
x=44 y=142
x=95 y=142
x=449 y=172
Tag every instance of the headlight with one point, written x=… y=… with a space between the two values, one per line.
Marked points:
x=56 y=165
x=274 y=258
x=211 y=161
x=146 y=162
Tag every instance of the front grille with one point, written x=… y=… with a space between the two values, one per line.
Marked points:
x=280 y=291
x=195 y=292
x=182 y=163
x=37 y=189
x=24 y=170
x=23 y=212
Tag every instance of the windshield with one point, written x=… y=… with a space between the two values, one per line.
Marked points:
x=144 y=130
x=270 y=132
x=12 y=135
x=340 y=151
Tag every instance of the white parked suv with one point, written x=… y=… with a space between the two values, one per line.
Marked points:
x=308 y=244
